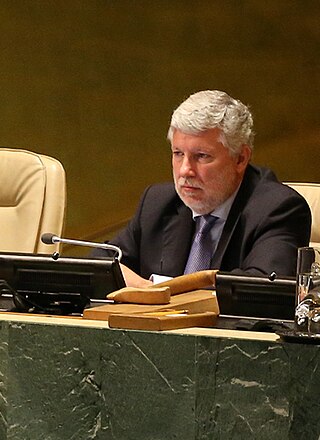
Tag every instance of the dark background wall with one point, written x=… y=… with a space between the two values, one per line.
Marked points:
x=94 y=83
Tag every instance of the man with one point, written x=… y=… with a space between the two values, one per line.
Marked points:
x=258 y=223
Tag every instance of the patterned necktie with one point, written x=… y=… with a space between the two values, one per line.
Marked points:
x=201 y=249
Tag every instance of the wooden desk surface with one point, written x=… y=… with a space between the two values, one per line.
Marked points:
x=80 y=322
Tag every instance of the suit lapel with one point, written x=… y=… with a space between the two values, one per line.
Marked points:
x=177 y=236
x=226 y=236
x=244 y=193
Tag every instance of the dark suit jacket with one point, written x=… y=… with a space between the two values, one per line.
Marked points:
x=266 y=224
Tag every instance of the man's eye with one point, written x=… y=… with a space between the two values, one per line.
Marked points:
x=177 y=153
x=203 y=156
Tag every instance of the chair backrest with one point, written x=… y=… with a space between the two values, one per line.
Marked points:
x=32 y=200
x=311 y=192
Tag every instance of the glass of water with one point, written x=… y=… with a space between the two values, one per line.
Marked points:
x=307 y=311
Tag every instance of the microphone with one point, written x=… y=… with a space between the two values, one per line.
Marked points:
x=49 y=238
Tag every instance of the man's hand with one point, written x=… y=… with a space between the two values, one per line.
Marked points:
x=132 y=279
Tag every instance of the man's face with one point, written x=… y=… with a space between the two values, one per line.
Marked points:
x=205 y=174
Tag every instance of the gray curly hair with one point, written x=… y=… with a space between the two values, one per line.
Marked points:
x=215 y=109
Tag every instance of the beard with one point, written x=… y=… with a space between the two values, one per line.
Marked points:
x=205 y=199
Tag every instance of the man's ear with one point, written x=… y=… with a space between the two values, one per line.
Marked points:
x=244 y=157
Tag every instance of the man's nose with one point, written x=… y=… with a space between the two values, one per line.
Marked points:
x=187 y=168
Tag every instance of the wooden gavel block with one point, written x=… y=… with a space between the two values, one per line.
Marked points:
x=132 y=295
x=161 y=293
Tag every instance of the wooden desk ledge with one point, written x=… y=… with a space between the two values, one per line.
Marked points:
x=37 y=318
x=78 y=321
x=225 y=333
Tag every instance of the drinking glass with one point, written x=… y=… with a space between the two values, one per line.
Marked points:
x=307 y=310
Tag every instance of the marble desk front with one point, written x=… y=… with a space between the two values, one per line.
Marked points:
x=73 y=379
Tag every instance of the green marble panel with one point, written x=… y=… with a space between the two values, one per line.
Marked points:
x=3 y=378
x=151 y=390
x=82 y=383
x=304 y=391
x=244 y=401
x=257 y=390
x=55 y=381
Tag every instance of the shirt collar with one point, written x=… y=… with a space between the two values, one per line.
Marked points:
x=222 y=211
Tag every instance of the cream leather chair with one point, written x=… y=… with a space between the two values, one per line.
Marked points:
x=311 y=192
x=32 y=200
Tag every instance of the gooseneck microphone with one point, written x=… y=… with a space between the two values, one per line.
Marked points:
x=49 y=238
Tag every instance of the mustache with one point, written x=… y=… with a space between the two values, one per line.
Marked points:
x=183 y=181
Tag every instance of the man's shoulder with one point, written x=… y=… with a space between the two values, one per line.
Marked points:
x=267 y=189
x=160 y=199
x=164 y=186
x=267 y=178
x=261 y=174
x=163 y=191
